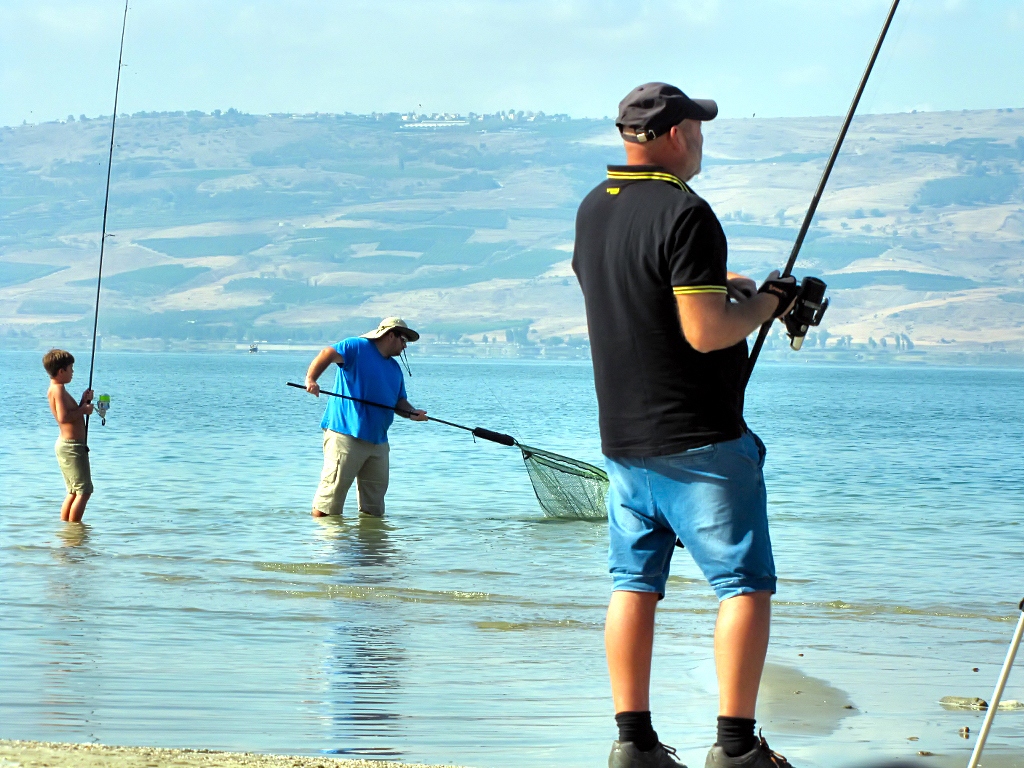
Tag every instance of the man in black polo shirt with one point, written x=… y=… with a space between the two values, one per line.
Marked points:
x=668 y=326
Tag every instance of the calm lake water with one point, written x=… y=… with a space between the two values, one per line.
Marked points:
x=201 y=606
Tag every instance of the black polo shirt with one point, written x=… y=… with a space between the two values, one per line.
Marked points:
x=643 y=237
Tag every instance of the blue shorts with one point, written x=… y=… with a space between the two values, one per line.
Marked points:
x=711 y=498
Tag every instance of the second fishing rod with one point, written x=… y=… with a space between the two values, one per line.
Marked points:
x=484 y=434
x=811 y=302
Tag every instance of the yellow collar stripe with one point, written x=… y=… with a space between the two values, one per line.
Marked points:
x=689 y=290
x=648 y=176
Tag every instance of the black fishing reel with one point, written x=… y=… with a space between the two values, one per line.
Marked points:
x=808 y=310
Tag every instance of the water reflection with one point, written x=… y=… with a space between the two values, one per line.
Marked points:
x=366 y=655
x=69 y=657
x=363 y=543
x=71 y=535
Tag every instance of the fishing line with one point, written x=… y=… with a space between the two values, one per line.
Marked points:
x=106 y=203
x=504 y=410
x=888 y=61
x=763 y=333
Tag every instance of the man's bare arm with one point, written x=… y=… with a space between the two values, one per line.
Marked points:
x=740 y=284
x=710 y=321
x=320 y=364
x=405 y=409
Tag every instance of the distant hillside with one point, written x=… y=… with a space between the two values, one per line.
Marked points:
x=303 y=228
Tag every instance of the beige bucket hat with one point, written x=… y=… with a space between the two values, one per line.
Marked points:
x=390 y=324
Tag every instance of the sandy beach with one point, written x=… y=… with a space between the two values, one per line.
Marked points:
x=46 y=754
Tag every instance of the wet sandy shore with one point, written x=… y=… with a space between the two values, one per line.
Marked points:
x=45 y=754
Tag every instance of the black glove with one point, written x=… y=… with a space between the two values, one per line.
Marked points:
x=785 y=289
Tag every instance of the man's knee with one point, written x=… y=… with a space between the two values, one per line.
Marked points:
x=372 y=485
x=761 y=594
x=371 y=497
x=758 y=599
x=630 y=605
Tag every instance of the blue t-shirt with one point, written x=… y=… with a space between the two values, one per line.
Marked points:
x=368 y=375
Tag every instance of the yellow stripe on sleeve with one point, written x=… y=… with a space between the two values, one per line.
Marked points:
x=690 y=290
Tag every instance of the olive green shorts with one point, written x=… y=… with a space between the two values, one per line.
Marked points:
x=348 y=459
x=73 y=458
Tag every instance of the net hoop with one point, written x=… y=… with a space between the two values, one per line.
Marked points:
x=563 y=463
x=566 y=488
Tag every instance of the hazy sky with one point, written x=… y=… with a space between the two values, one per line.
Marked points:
x=769 y=57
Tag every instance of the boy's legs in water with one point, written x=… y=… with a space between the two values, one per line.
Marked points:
x=73 y=508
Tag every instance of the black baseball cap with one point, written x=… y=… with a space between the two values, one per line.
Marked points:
x=651 y=109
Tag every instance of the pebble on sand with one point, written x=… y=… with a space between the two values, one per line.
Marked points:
x=973 y=702
x=963 y=702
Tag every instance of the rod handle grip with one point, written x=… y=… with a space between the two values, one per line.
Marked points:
x=494 y=437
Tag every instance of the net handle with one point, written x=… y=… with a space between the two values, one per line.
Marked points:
x=485 y=434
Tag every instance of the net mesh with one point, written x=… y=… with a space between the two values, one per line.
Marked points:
x=566 y=488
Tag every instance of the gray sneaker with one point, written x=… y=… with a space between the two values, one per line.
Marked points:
x=625 y=755
x=761 y=756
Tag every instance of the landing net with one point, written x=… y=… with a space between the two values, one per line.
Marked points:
x=566 y=488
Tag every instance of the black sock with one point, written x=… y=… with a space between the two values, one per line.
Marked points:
x=636 y=727
x=736 y=735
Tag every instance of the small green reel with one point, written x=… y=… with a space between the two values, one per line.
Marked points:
x=102 y=406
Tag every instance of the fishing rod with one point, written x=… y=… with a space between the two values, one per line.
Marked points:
x=486 y=434
x=993 y=703
x=103 y=232
x=816 y=287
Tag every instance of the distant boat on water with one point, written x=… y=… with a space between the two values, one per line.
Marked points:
x=253 y=348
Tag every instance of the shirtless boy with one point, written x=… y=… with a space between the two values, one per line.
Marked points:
x=72 y=452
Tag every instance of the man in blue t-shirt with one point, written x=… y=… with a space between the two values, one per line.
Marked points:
x=356 y=434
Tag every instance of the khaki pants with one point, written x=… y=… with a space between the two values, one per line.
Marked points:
x=348 y=458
